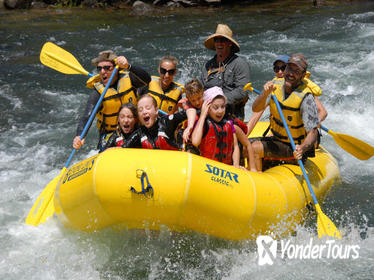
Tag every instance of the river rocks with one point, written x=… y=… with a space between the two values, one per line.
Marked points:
x=38 y=5
x=17 y=4
x=138 y=7
x=184 y=3
x=141 y=8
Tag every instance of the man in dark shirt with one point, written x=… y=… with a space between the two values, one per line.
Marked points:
x=227 y=70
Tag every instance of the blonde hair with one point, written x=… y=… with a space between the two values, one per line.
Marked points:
x=194 y=87
x=154 y=101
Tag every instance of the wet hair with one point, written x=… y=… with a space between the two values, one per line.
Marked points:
x=169 y=58
x=134 y=112
x=148 y=96
x=194 y=87
x=131 y=107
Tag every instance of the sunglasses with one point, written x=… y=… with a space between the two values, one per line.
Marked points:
x=277 y=68
x=106 y=68
x=163 y=71
x=293 y=70
x=220 y=40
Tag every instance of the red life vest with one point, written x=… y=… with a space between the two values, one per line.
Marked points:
x=119 y=141
x=160 y=143
x=242 y=125
x=217 y=144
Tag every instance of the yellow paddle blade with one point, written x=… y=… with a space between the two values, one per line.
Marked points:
x=325 y=226
x=354 y=146
x=44 y=206
x=57 y=58
x=248 y=87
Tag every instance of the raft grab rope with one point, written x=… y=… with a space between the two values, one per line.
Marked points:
x=148 y=191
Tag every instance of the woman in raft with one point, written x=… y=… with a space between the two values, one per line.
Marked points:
x=127 y=124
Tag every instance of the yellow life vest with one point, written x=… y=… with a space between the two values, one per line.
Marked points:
x=166 y=101
x=315 y=89
x=107 y=116
x=291 y=112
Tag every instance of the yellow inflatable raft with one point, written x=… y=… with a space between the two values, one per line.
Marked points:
x=135 y=188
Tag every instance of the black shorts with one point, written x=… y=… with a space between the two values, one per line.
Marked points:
x=280 y=151
x=275 y=149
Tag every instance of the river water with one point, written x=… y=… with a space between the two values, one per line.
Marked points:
x=39 y=110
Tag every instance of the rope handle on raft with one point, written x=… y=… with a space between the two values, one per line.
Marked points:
x=148 y=191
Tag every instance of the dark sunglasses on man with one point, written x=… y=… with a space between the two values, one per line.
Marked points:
x=170 y=71
x=106 y=68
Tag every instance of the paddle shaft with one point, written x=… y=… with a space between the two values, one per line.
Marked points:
x=294 y=147
x=256 y=91
x=325 y=128
x=93 y=114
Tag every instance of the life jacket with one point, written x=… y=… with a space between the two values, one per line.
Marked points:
x=291 y=112
x=242 y=125
x=166 y=101
x=107 y=116
x=119 y=141
x=315 y=89
x=217 y=143
x=161 y=141
x=113 y=139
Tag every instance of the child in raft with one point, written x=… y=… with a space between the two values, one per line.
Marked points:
x=194 y=91
x=155 y=132
x=216 y=134
x=127 y=123
x=194 y=100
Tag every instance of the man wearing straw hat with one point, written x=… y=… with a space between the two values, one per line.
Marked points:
x=226 y=69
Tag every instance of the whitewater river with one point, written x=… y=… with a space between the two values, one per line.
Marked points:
x=39 y=109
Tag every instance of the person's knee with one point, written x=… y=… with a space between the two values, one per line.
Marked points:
x=258 y=148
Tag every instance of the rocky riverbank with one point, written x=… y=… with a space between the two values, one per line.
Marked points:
x=136 y=5
x=29 y=4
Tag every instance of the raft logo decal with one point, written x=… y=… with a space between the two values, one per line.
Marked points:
x=221 y=176
x=78 y=170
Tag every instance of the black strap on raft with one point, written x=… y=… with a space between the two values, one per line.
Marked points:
x=148 y=191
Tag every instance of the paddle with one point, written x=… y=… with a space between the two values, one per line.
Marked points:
x=324 y=225
x=249 y=87
x=350 y=144
x=44 y=206
x=354 y=146
x=57 y=58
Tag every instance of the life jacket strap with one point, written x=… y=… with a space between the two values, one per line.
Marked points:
x=163 y=96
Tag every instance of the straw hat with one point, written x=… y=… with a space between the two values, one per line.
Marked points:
x=222 y=31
